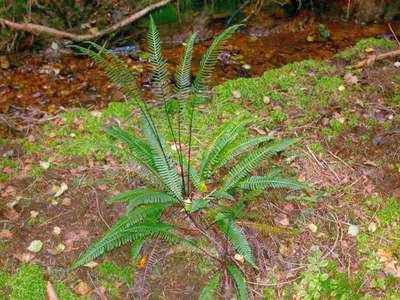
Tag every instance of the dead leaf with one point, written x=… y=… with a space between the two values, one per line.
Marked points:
x=11 y=214
x=392 y=269
x=383 y=255
x=82 y=288
x=350 y=78
x=282 y=219
x=24 y=257
x=5 y=234
x=51 y=293
x=60 y=190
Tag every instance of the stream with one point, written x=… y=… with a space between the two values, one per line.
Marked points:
x=51 y=81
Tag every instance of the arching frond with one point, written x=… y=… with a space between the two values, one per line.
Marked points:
x=210 y=59
x=238 y=149
x=140 y=151
x=252 y=161
x=184 y=69
x=266 y=182
x=240 y=282
x=208 y=292
x=120 y=236
x=116 y=69
x=228 y=135
x=143 y=196
x=238 y=239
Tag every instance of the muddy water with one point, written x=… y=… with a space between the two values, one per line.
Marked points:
x=49 y=82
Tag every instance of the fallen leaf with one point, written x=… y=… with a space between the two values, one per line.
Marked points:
x=51 y=293
x=91 y=264
x=24 y=257
x=236 y=94
x=350 y=78
x=313 y=228
x=57 y=250
x=383 y=255
x=372 y=227
x=11 y=214
x=61 y=190
x=44 y=165
x=35 y=246
x=56 y=230
x=5 y=234
x=392 y=269
x=34 y=214
x=66 y=202
x=82 y=288
x=239 y=258
x=282 y=220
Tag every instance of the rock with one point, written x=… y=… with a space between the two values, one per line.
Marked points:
x=4 y=62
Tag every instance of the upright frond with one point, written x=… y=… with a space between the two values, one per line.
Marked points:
x=208 y=292
x=210 y=59
x=184 y=69
x=240 y=282
x=238 y=239
x=164 y=164
x=160 y=74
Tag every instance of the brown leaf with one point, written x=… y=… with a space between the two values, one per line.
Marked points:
x=5 y=234
x=24 y=257
x=51 y=293
x=82 y=288
x=11 y=214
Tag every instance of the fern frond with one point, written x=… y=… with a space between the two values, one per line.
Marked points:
x=116 y=69
x=143 y=196
x=184 y=69
x=238 y=240
x=120 y=236
x=140 y=151
x=136 y=248
x=165 y=166
x=222 y=195
x=207 y=293
x=252 y=161
x=240 y=281
x=228 y=135
x=210 y=58
x=160 y=74
x=239 y=149
x=266 y=182
x=268 y=229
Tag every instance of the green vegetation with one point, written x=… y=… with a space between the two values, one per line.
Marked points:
x=113 y=276
x=359 y=50
x=27 y=283
x=189 y=190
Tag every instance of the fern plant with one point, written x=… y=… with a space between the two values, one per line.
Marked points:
x=206 y=198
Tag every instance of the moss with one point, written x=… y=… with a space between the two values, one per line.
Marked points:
x=27 y=283
x=361 y=46
x=4 y=277
x=112 y=276
x=390 y=212
x=63 y=292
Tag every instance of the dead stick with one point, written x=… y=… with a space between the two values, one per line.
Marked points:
x=40 y=29
x=374 y=58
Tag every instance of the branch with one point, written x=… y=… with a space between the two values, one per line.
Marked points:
x=40 y=29
x=370 y=60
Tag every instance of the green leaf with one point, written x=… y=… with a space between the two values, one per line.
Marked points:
x=184 y=69
x=238 y=239
x=136 y=248
x=198 y=204
x=240 y=282
x=265 y=182
x=207 y=293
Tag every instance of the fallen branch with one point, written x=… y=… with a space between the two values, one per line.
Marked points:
x=370 y=60
x=40 y=29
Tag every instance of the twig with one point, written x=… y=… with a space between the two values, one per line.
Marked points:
x=98 y=209
x=370 y=60
x=394 y=34
x=40 y=29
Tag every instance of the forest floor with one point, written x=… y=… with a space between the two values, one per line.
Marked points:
x=344 y=239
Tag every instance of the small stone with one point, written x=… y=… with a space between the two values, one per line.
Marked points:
x=313 y=228
x=246 y=67
x=267 y=100
x=372 y=227
x=310 y=38
x=35 y=246
x=44 y=165
x=236 y=94
x=353 y=230
x=397 y=64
